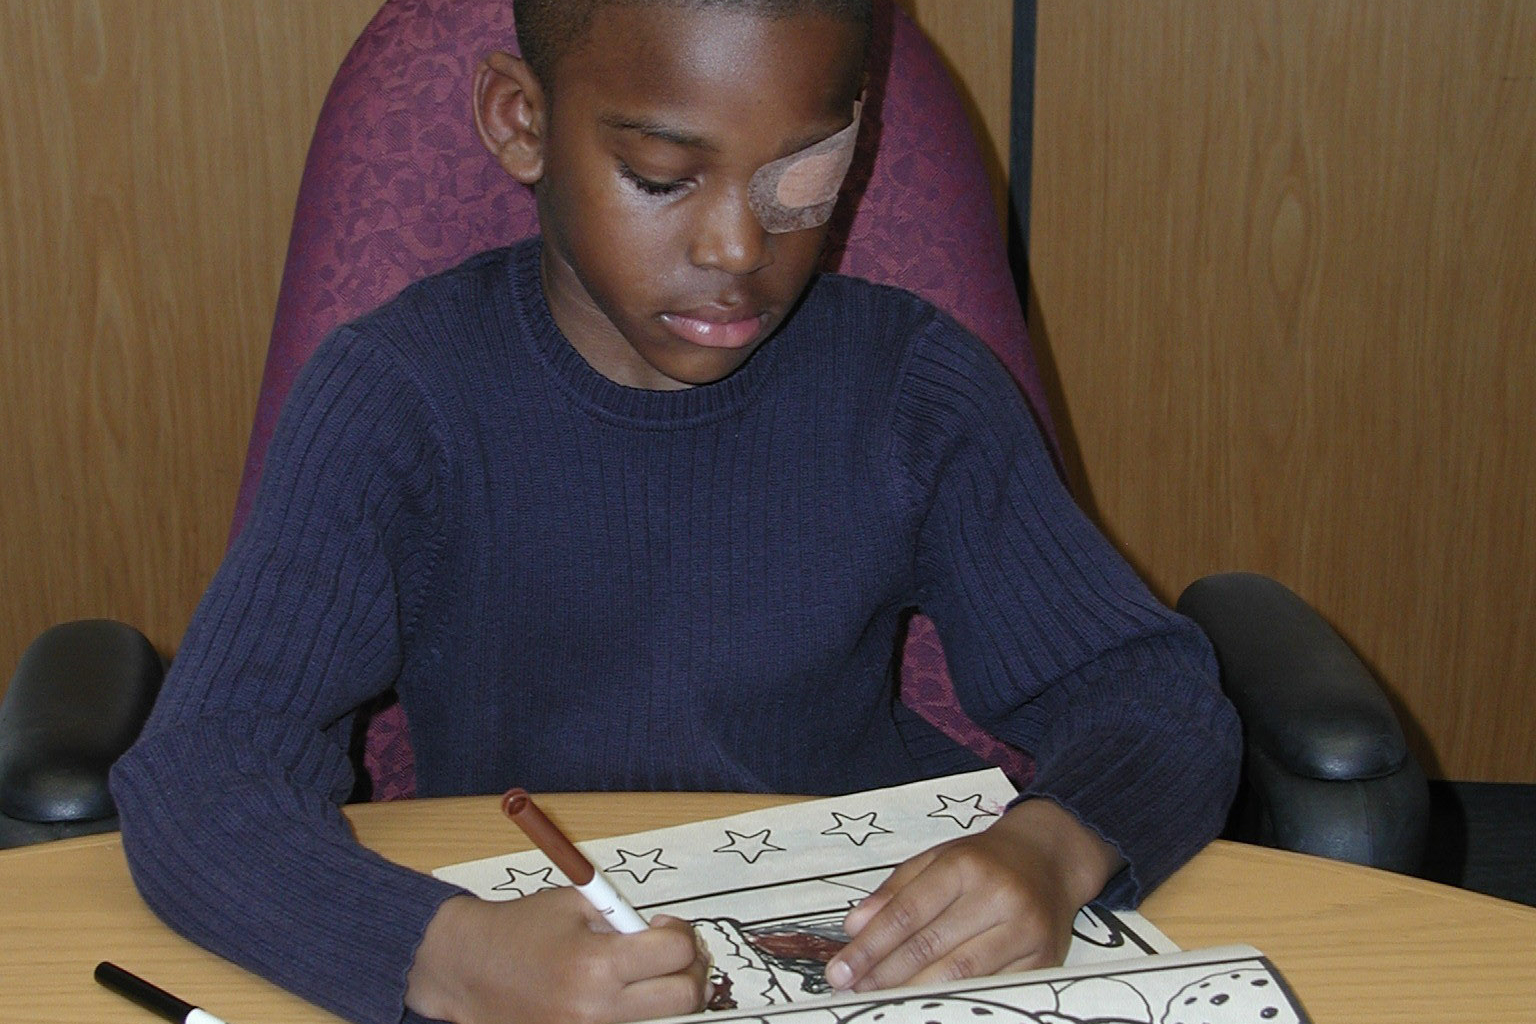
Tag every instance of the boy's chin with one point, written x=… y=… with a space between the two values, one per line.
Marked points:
x=695 y=378
x=707 y=367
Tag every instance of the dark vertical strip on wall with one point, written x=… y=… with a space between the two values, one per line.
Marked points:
x=1021 y=138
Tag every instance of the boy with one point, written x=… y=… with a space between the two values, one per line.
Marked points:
x=640 y=505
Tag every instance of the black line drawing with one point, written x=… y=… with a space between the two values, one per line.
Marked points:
x=1104 y=930
x=1095 y=926
x=847 y=880
x=1242 y=993
x=771 y=963
x=962 y=812
x=639 y=866
x=857 y=830
x=1229 y=986
x=949 y=1010
x=526 y=883
x=780 y=960
x=773 y=918
x=750 y=847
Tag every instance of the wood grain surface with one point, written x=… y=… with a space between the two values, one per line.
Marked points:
x=1282 y=265
x=1281 y=274
x=152 y=153
x=1357 y=945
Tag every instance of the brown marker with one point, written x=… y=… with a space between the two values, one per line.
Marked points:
x=544 y=834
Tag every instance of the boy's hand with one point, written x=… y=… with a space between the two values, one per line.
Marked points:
x=551 y=957
x=1003 y=899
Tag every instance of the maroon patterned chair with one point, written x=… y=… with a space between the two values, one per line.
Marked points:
x=397 y=186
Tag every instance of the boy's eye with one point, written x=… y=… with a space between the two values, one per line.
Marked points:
x=649 y=186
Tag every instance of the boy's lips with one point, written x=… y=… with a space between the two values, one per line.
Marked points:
x=715 y=328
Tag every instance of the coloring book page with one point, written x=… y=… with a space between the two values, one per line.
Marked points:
x=768 y=890
x=1226 y=985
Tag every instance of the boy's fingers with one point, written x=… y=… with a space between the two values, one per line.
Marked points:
x=991 y=952
x=894 y=883
x=904 y=922
x=685 y=990
x=1022 y=964
x=868 y=907
x=668 y=947
x=938 y=929
x=669 y=996
x=946 y=948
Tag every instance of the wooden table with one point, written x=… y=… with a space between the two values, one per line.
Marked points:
x=1359 y=946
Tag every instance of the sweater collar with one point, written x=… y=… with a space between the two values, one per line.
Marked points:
x=609 y=400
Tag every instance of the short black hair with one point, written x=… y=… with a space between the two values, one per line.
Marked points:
x=549 y=29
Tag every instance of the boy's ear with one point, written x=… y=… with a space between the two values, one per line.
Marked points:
x=511 y=115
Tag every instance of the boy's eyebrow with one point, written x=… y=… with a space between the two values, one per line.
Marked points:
x=657 y=130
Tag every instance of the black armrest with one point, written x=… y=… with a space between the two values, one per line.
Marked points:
x=81 y=693
x=1327 y=769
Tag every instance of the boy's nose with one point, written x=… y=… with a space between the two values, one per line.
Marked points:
x=730 y=237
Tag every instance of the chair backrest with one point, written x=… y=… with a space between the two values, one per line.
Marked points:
x=397 y=186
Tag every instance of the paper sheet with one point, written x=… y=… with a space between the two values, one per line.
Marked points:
x=1227 y=985
x=768 y=890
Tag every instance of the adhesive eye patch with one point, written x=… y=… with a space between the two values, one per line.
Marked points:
x=799 y=190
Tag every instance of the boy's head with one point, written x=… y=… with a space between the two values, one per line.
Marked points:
x=669 y=143
x=548 y=29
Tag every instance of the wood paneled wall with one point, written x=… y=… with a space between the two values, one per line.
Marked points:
x=1281 y=272
x=1284 y=262
x=151 y=155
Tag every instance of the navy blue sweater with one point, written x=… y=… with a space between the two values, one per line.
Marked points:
x=577 y=585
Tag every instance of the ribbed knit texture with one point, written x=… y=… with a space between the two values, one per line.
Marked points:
x=577 y=585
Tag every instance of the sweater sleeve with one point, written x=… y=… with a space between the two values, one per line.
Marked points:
x=230 y=800
x=1053 y=642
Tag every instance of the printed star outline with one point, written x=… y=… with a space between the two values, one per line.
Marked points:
x=750 y=847
x=961 y=812
x=526 y=883
x=639 y=866
x=853 y=901
x=856 y=829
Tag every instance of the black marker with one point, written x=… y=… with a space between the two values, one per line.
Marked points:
x=156 y=1000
